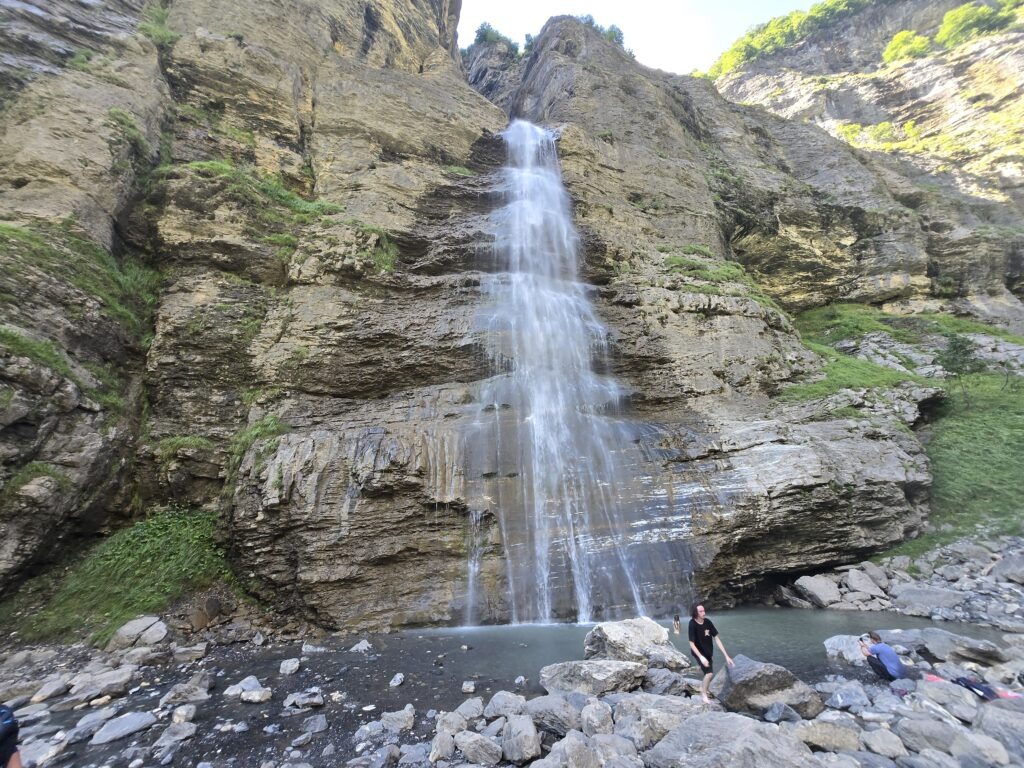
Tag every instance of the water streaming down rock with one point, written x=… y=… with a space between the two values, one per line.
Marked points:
x=555 y=463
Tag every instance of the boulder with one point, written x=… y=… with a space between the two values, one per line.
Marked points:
x=753 y=686
x=574 y=750
x=982 y=749
x=820 y=590
x=876 y=574
x=717 y=739
x=845 y=647
x=174 y=734
x=554 y=714
x=504 y=704
x=125 y=725
x=596 y=718
x=442 y=747
x=472 y=708
x=400 y=721
x=779 y=712
x=520 y=741
x=641 y=639
x=828 y=736
x=883 y=742
x=644 y=719
x=664 y=682
x=924 y=601
x=1010 y=568
x=128 y=633
x=955 y=699
x=595 y=677
x=859 y=581
x=451 y=723
x=1005 y=724
x=918 y=735
x=849 y=695
x=478 y=749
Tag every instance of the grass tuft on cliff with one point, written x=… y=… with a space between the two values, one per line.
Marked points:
x=126 y=290
x=843 y=372
x=139 y=569
x=976 y=451
x=256 y=189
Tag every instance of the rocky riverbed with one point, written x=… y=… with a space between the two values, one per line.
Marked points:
x=633 y=700
x=976 y=581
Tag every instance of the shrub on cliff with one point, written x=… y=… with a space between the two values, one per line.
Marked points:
x=485 y=33
x=784 y=31
x=968 y=21
x=906 y=45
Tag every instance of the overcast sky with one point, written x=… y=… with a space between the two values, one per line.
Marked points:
x=675 y=36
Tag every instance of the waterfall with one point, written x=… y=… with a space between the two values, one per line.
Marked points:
x=556 y=462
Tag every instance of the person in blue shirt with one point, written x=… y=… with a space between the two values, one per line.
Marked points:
x=883 y=659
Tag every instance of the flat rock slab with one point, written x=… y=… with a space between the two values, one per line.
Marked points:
x=128 y=633
x=718 y=739
x=924 y=601
x=596 y=677
x=122 y=726
x=820 y=590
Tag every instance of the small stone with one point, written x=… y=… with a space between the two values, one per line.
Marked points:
x=468 y=686
x=257 y=696
x=397 y=680
x=183 y=714
x=315 y=724
x=289 y=666
x=361 y=647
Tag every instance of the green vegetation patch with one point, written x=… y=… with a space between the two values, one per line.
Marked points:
x=270 y=426
x=168 y=448
x=127 y=290
x=383 y=255
x=140 y=569
x=906 y=45
x=971 y=20
x=976 y=451
x=836 y=322
x=42 y=352
x=30 y=472
x=459 y=170
x=129 y=129
x=255 y=189
x=485 y=33
x=844 y=372
x=154 y=26
x=783 y=31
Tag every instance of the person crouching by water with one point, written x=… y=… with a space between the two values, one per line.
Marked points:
x=702 y=632
x=883 y=659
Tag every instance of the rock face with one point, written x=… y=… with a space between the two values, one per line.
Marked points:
x=937 y=118
x=313 y=361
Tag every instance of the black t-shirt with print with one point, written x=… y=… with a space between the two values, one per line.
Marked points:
x=701 y=635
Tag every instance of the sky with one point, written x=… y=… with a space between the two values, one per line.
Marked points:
x=677 y=36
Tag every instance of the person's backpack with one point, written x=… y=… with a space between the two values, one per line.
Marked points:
x=8 y=723
x=976 y=686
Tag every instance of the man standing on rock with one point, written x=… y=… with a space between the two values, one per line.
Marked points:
x=702 y=632
x=883 y=659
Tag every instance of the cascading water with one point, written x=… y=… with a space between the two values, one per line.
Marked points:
x=556 y=465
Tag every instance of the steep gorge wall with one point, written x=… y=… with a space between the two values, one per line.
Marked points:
x=319 y=221
x=944 y=129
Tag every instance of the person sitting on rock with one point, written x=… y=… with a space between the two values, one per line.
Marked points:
x=883 y=659
x=9 y=756
x=702 y=632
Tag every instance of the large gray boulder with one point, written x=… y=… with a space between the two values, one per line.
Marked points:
x=641 y=639
x=753 y=686
x=520 y=741
x=820 y=590
x=554 y=713
x=844 y=647
x=478 y=749
x=128 y=633
x=945 y=646
x=718 y=739
x=1010 y=568
x=1005 y=723
x=859 y=581
x=924 y=601
x=122 y=726
x=593 y=677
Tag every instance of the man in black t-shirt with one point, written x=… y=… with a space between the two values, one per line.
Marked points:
x=702 y=632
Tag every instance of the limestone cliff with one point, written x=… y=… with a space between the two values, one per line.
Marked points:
x=943 y=128
x=309 y=202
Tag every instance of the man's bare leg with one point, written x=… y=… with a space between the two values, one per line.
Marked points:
x=704 y=687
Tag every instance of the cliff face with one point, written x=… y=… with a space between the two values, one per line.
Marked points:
x=943 y=128
x=308 y=204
